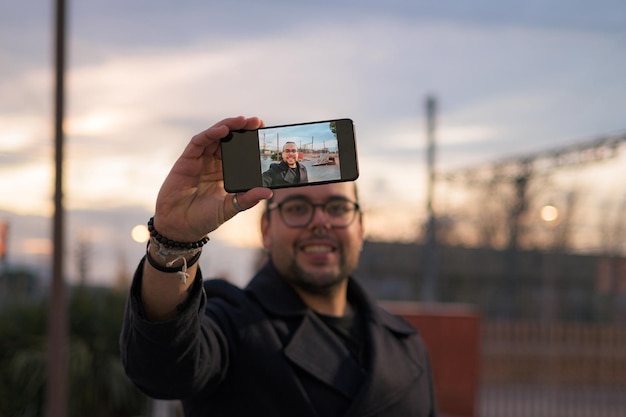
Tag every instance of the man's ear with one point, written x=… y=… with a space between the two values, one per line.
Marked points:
x=265 y=226
x=362 y=231
x=362 y=224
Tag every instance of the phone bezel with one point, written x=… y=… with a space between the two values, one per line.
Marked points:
x=241 y=157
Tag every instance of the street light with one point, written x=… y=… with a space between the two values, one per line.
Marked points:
x=549 y=213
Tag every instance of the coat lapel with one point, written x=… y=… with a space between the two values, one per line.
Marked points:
x=394 y=373
x=315 y=349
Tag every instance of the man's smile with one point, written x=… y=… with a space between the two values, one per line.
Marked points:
x=317 y=249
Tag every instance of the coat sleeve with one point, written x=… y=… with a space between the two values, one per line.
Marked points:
x=271 y=175
x=176 y=358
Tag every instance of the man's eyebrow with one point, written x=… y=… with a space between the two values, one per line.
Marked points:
x=306 y=197
x=295 y=197
x=272 y=202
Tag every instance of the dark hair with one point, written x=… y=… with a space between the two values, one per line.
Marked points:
x=288 y=142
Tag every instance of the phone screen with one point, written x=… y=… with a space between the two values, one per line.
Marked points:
x=290 y=155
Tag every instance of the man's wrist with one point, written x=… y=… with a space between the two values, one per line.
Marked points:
x=171 y=260
x=169 y=243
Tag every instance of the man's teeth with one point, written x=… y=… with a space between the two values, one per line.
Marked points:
x=317 y=249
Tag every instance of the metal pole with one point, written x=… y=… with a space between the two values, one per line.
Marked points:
x=431 y=261
x=56 y=382
x=517 y=210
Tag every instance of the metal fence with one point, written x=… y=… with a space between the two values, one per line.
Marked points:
x=537 y=369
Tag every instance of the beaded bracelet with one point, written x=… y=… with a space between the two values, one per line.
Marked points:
x=166 y=247
x=172 y=243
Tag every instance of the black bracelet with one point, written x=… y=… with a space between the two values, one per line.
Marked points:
x=167 y=243
x=173 y=269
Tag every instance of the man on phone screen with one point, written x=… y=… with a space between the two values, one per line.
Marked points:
x=288 y=171
x=301 y=339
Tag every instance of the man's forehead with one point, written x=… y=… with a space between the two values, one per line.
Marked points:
x=318 y=192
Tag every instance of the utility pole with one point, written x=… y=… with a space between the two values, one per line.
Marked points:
x=431 y=258
x=56 y=381
x=516 y=211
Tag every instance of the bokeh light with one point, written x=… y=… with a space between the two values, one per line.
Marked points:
x=549 y=213
x=140 y=233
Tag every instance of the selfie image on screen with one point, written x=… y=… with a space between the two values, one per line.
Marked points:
x=299 y=154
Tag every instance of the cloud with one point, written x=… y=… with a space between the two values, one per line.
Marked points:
x=134 y=104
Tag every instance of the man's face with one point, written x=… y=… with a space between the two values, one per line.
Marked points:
x=316 y=257
x=290 y=154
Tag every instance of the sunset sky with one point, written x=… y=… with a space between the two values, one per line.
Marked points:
x=145 y=75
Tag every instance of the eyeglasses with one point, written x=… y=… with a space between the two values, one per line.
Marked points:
x=290 y=150
x=299 y=212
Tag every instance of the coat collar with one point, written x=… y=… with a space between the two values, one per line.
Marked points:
x=280 y=299
x=274 y=294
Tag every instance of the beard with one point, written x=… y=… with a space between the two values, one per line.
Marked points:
x=317 y=282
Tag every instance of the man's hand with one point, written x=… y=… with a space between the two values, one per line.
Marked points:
x=192 y=201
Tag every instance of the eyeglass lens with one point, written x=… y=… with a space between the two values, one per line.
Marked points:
x=299 y=212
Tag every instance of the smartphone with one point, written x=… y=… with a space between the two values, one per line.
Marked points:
x=291 y=155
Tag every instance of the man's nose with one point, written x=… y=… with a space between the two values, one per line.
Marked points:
x=319 y=217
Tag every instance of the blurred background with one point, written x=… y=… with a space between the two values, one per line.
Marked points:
x=491 y=140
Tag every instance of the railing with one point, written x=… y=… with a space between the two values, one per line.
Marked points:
x=535 y=369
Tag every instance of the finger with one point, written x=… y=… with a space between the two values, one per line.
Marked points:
x=220 y=129
x=244 y=201
x=253 y=123
x=239 y=123
x=211 y=136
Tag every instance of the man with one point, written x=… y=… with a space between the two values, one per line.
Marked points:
x=302 y=339
x=288 y=171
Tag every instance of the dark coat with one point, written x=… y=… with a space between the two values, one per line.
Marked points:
x=253 y=352
x=279 y=174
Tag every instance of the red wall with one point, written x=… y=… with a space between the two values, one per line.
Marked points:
x=452 y=335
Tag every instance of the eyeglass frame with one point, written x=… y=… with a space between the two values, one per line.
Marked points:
x=355 y=207
x=290 y=150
